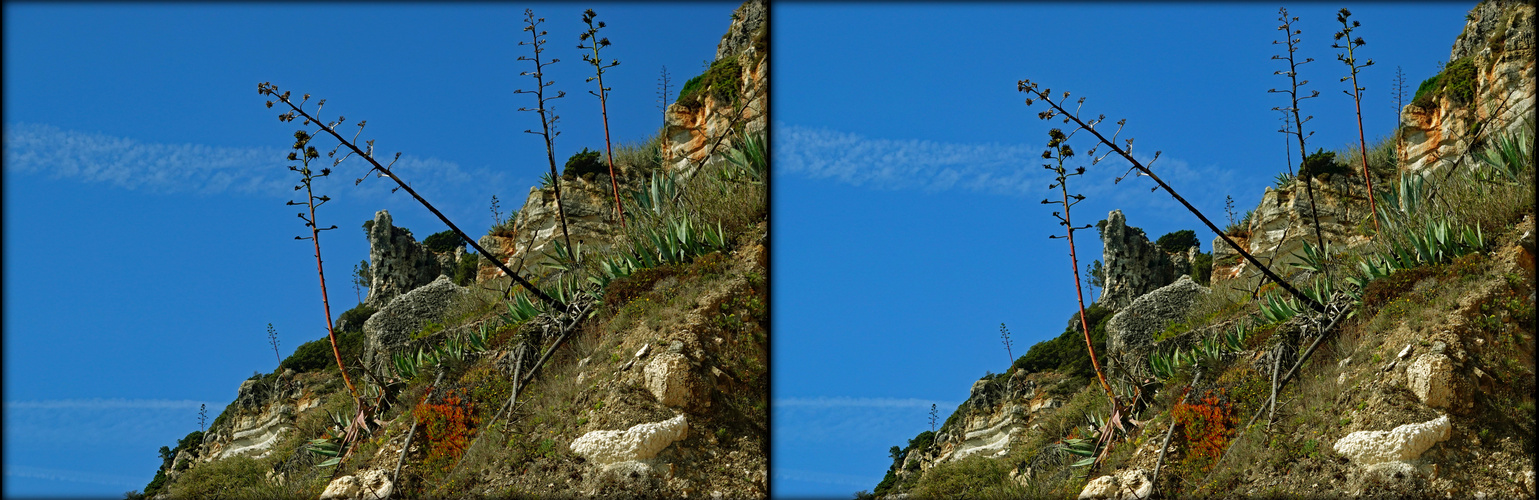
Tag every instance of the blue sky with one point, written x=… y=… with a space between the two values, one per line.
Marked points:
x=147 y=244
x=907 y=189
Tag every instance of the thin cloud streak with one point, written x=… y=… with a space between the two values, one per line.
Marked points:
x=208 y=170
x=906 y=164
x=999 y=169
x=72 y=476
x=104 y=404
x=848 y=402
x=836 y=479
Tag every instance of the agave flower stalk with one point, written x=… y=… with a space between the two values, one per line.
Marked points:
x=1058 y=149
x=1289 y=32
x=304 y=153
x=1350 y=58
x=591 y=36
x=662 y=103
x=297 y=110
x=548 y=117
x=1126 y=152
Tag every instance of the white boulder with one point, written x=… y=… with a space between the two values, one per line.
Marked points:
x=1403 y=444
x=640 y=442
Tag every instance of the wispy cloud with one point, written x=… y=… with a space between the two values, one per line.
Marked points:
x=905 y=164
x=104 y=404
x=194 y=168
x=821 y=477
x=96 y=421
x=73 y=476
x=989 y=168
x=848 y=402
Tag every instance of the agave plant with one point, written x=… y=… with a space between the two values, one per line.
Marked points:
x=1277 y=309
x=747 y=163
x=1506 y=161
x=520 y=309
x=563 y=258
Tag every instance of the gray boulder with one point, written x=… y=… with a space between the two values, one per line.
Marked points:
x=389 y=330
x=1135 y=325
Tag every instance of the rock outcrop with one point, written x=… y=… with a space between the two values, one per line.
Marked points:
x=1134 y=266
x=697 y=129
x=1284 y=221
x=262 y=413
x=589 y=205
x=1131 y=484
x=999 y=411
x=389 y=330
x=397 y=262
x=1135 y=325
x=1498 y=39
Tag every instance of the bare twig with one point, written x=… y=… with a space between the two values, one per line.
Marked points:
x=396 y=475
x=1165 y=445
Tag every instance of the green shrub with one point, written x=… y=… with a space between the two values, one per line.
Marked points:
x=239 y=476
x=1067 y=351
x=1459 y=81
x=1202 y=268
x=441 y=242
x=465 y=270
x=355 y=317
x=311 y=356
x=1178 y=241
x=1322 y=162
x=583 y=163
x=1428 y=91
x=971 y=477
x=721 y=80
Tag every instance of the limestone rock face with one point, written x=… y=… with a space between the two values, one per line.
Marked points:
x=1431 y=378
x=1403 y=444
x=1129 y=485
x=999 y=410
x=263 y=412
x=640 y=442
x=1135 y=325
x=747 y=20
x=668 y=378
x=397 y=262
x=389 y=330
x=1499 y=39
x=589 y=207
x=371 y=485
x=1283 y=222
x=1133 y=265
x=694 y=130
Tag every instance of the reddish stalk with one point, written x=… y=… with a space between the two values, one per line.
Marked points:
x=1350 y=58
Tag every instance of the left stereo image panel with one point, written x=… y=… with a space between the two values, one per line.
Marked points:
x=553 y=219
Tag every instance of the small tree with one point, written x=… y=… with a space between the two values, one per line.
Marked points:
x=1097 y=278
x=361 y=278
x=933 y=414
x=1350 y=59
x=591 y=36
x=202 y=416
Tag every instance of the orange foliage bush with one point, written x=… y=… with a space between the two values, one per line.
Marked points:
x=446 y=425
x=1206 y=424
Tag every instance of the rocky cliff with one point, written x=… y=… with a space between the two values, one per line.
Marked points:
x=1488 y=81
